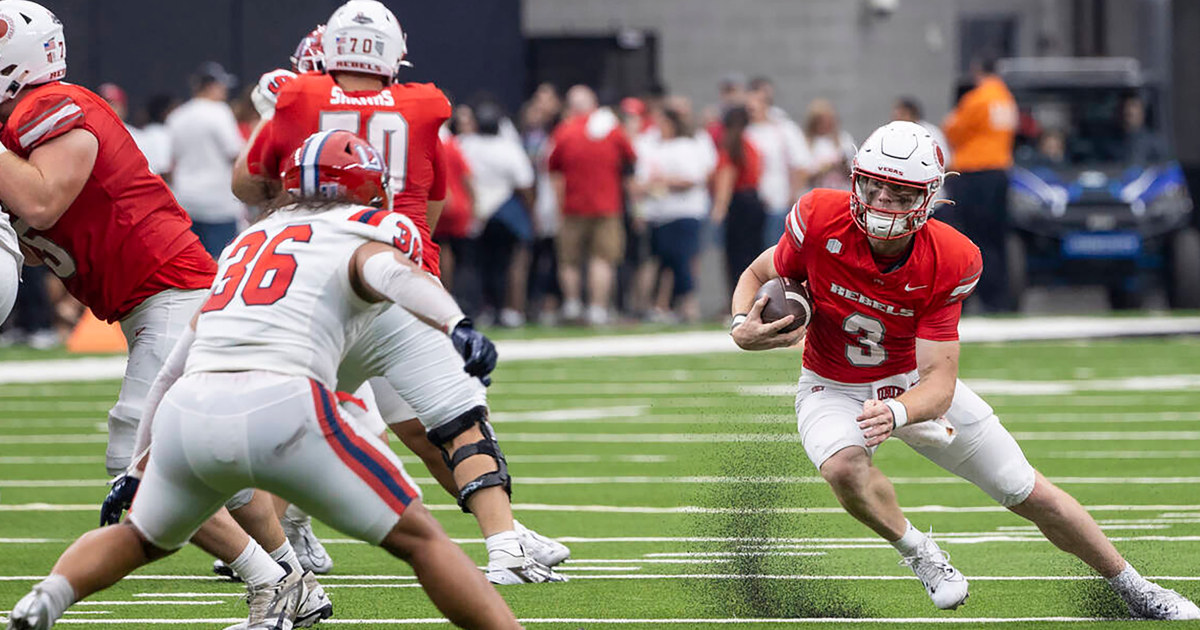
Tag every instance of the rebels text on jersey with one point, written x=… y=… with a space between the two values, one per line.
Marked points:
x=124 y=238
x=401 y=121
x=865 y=321
x=283 y=301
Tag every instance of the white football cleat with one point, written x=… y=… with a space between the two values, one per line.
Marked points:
x=316 y=605
x=545 y=550
x=1155 y=602
x=943 y=583
x=274 y=607
x=297 y=526
x=31 y=613
x=528 y=572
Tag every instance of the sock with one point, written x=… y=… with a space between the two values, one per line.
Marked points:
x=910 y=542
x=1127 y=580
x=505 y=548
x=59 y=595
x=257 y=568
x=286 y=554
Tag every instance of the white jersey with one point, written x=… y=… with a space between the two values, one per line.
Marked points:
x=283 y=302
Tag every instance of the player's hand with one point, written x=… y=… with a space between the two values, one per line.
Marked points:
x=753 y=334
x=876 y=422
x=478 y=352
x=119 y=498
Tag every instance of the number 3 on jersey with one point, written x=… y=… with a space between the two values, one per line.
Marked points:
x=246 y=253
x=386 y=131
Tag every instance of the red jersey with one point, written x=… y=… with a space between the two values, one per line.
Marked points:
x=591 y=167
x=865 y=322
x=124 y=238
x=401 y=121
x=456 y=218
x=751 y=170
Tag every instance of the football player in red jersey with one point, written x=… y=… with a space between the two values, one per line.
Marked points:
x=881 y=359
x=88 y=207
x=363 y=49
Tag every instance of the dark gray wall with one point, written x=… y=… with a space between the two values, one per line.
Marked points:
x=152 y=46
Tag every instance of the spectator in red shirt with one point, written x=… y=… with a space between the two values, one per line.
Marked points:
x=735 y=195
x=590 y=157
x=453 y=228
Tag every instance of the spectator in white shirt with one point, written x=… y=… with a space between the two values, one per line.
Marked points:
x=205 y=141
x=670 y=180
x=785 y=162
x=832 y=148
x=502 y=179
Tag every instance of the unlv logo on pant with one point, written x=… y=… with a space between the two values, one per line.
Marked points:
x=888 y=391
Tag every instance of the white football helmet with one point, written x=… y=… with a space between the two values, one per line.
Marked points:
x=902 y=165
x=32 y=48
x=364 y=36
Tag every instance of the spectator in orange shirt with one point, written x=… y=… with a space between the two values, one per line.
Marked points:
x=981 y=131
x=591 y=156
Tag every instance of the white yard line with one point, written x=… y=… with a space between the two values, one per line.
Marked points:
x=682 y=509
x=626 y=621
x=686 y=480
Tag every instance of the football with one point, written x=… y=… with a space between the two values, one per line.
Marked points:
x=787 y=297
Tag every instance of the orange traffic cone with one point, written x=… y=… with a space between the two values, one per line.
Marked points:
x=94 y=336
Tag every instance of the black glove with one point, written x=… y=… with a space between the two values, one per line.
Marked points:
x=119 y=498
x=477 y=351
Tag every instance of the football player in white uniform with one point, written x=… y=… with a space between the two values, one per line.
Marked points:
x=10 y=265
x=385 y=353
x=255 y=406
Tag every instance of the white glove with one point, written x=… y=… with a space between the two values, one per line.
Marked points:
x=266 y=92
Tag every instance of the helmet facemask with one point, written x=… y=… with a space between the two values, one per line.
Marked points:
x=887 y=208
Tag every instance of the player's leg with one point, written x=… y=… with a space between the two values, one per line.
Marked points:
x=351 y=480
x=833 y=442
x=150 y=331
x=170 y=505
x=985 y=453
x=423 y=377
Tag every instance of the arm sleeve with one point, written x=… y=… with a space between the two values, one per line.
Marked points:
x=48 y=117
x=411 y=289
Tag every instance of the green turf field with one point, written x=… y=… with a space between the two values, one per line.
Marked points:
x=685 y=496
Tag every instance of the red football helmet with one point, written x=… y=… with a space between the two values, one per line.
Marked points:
x=309 y=55
x=337 y=165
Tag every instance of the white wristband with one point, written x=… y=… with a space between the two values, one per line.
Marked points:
x=3 y=149
x=737 y=321
x=899 y=413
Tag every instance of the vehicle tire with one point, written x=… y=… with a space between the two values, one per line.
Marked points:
x=1183 y=269
x=1017 y=265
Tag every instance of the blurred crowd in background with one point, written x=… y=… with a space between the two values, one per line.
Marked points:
x=564 y=212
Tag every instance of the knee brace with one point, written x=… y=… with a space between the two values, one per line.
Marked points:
x=443 y=434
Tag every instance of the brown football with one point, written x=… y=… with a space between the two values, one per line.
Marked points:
x=787 y=297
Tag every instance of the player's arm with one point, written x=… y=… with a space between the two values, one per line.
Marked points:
x=748 y=330
x=380 y=272
x=253 y=189
x=937 y=365
x=39 y=190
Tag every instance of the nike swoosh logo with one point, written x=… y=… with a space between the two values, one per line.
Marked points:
x=908 y=288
